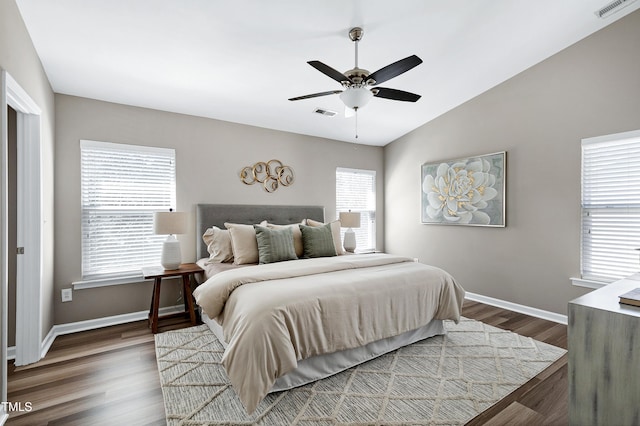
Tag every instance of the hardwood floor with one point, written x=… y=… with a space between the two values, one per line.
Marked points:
x=543 y=400
x=109 y=377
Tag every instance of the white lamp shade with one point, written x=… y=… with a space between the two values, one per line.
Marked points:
x=356 y=97
x=350 y=219
x=167 y=223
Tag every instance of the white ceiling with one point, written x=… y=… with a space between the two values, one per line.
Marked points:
x=240 y=60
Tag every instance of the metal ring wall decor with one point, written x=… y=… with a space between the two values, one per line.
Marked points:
x=271 y=175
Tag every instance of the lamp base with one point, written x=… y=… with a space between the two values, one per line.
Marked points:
x=171 y=255
x=350 y=241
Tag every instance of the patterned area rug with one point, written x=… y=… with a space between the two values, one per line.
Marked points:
x=442 y=380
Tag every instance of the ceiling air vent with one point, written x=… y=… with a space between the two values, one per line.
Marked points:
x=325 y=112
x=612 y=7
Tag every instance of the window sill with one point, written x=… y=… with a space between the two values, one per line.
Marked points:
x=106 y=282
x=579 y=282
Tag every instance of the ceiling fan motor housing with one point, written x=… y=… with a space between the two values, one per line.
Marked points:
x=358 y=76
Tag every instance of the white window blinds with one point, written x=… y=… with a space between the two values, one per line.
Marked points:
x=122 y=186
x=356 y=191
x=610 y=206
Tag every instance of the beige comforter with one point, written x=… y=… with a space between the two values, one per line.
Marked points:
x=276 y=314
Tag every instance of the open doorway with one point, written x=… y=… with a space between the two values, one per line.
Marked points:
x=12 y=201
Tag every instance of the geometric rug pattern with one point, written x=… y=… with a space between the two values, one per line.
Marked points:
x=442 y=380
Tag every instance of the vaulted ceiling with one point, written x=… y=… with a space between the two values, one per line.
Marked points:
x=240 y=60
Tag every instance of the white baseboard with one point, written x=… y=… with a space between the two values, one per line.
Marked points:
x=527 y=310
x=74 y=327
x=47 y=342
x=3 y=417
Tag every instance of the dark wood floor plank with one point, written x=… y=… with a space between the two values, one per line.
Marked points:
x=109 y=376
x=516 y=414
x=550 y=395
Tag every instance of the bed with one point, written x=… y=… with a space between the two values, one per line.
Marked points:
x=287 y=323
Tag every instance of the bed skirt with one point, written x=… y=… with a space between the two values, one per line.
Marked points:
x=321 y=366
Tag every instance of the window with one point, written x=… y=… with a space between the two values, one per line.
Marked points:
x=610 y=206
x=122 y=186
x=356 y=191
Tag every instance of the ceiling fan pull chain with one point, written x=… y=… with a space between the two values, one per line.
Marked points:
x=356 y=109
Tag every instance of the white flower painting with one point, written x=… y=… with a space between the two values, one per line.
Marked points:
x=469 y=191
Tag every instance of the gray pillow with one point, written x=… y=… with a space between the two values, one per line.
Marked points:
x=317 y=241
x=274 y=245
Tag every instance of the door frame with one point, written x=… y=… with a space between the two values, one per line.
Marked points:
x=4 y=260
x=29 y=267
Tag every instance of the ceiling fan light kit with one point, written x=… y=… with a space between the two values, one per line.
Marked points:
x=358 y=83
x=356 y=98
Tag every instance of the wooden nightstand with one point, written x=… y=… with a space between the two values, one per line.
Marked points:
x=186 y=270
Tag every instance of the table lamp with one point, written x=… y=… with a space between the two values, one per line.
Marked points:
x=350 y=220
x=170 y=223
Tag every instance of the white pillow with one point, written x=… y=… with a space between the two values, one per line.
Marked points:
x=335 y=233
x=243 y=242
x=218 y=243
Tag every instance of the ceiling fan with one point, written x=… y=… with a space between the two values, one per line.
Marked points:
x=359 y=84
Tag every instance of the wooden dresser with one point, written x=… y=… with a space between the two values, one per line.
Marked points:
x=604 y=357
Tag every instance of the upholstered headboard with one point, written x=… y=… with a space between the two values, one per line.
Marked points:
x=208 y=215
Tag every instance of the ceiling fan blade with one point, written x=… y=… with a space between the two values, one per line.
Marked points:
x=395 y=69
x=327 y=70
x=315 y=95
x=396 y=95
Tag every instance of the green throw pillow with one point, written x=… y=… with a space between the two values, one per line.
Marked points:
x=317 y=241
x=274 y=245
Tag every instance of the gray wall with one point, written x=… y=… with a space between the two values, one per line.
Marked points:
x=539 y=117
x=18 y=58
x=209 y=157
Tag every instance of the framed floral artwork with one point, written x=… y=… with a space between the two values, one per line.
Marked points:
x=468 y=191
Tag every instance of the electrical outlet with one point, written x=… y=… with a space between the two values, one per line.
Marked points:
x=67 y=295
